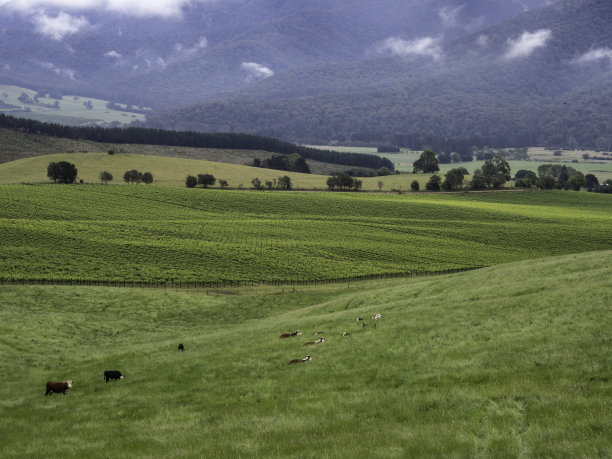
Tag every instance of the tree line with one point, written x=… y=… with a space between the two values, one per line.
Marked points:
x=230 y=141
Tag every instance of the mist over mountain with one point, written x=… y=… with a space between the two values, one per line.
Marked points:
x=174 y=57
x=502 y=71
x=541 y=77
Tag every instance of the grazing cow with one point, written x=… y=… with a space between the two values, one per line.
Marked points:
x=181 y=347
x=377 y=316
x=310 y=343
x=359 y=319
x=288 y=335
x=112 y=374
x=346 y=334
x=305 y=359
x=58 y=387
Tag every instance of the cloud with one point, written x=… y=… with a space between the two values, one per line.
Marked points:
x=60 y=26
x=201 y=44
x=69 y=73
x=449 y=15
x=427 y=47
x=112 y=53
x=527 y=43
x=256 y=71
x=165 y=8
x=482 y=41
x=594 y=55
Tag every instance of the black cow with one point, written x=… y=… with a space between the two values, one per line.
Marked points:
x=181 y=347
x=58 y=387
x=112 y=374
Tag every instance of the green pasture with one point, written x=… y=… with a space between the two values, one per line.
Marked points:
x=172 y=171
x=142 y=233
x=508 y=361
x=72 y=110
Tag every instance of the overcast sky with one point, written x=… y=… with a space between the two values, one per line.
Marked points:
x=165 y=8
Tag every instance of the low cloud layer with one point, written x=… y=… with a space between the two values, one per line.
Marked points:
x=594 y=55
x=59 y=26
x=422 y=47
x=164 y=8
x=256 y=71
x=527 y=43
x=450 y=16
x=64 y=72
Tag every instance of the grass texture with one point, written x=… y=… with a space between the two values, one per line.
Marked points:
x=507 y=361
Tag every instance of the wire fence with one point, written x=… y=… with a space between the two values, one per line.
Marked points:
x=229 y=286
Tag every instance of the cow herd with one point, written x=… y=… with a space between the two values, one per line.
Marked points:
x=307 y=358
x=65 y=386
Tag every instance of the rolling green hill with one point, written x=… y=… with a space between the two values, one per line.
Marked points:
x=509 y=361
x=105 y=233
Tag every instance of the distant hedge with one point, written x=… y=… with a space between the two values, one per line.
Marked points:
x=148 y=136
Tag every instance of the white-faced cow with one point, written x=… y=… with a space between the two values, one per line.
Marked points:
x=181 y=348
x=305 y=359
x=289 y=335
x=310 y=343
x=112 y=374
x=377 y=316
x=58 y=387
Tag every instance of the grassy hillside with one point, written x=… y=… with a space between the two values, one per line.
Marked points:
x=173 y=171
x=147 y=233
x=507 y=361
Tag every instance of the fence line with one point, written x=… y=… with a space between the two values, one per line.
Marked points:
x=231 y=284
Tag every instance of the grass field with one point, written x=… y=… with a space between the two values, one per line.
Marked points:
x=159 y=234
x=508 y=361
x=72 y=111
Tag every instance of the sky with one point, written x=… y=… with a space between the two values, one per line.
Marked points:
x=164 y=8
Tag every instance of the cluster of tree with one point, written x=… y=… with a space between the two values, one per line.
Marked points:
x=25 y=99
x=343 y=182
x=280 y=183
x=493 y=174
x=292 y=163
x=148 y=136
x=134 y=176
x=388 y=149
x=555 y=176
x=205 y=180
x=62 y=172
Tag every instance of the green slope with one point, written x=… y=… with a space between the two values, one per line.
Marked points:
x=507 y=361
x=169 y=234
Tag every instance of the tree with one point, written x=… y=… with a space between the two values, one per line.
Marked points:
x=591 y=181
x=434 y=183
x=223 y=183
x=496 y=171
x=147 y=178
x=206 y=180
x=380 y=185
x=132 y=176
x=256 y=184
x=478 y=182
x=577 y=181
x=546 y=182
x=414 y=186
x=427 y=163
x=454 y=179
x=105 y=177
x=62 y=172
x=191 y=181
x=284 y=182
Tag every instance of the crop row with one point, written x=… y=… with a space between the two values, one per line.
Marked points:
x=157 y=234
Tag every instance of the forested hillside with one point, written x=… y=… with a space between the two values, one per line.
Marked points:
x=540 y=78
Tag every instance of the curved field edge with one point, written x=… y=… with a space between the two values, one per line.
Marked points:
x=171 y=235
x=512 y=360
